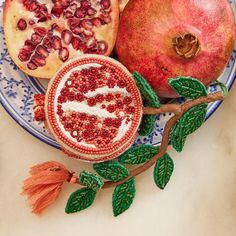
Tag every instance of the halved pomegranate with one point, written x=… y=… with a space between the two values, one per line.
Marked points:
x=41 y=35
x=93 y=108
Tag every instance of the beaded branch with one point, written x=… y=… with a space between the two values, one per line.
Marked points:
x=187 y=118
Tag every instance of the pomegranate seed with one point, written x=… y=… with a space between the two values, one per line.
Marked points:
x=66 y=36
x=56 y=42
x=42 y=19
x=36 y=39
x=73 y=6
x=42 y=51
x=47 y=43
x=38 y=60
x=24 y=54
x=102 y=47
x=73 y=23
x=85 y=4
x=91 y=11
x=21 y=25
x=29 y=48
x=75 y=43
x=80 y=13
x=57 y=10
x=31 y=66
x=87 y=24
x=29 y=44
x=68 y=14
x=88 y=33
x=91 y=42
x=107 y=19
x=64 y=54
x=105 y=4
x=77 y=30
x=31 y=22
x=96 y=21
x=40 y=31
x=54 y=26
x=83 y=48
x=30 y=5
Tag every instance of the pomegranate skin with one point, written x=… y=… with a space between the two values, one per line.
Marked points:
x=148 y=32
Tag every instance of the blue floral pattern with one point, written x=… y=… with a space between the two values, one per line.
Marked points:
x=17 y=91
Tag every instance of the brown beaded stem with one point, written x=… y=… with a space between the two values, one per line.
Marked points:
x=178 y=110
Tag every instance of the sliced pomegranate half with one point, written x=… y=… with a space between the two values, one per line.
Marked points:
x=93 y=108
x=41 y=35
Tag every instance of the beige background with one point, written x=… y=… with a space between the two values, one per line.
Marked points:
x=200 y=199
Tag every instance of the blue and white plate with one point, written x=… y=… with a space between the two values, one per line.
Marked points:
x=17 y=91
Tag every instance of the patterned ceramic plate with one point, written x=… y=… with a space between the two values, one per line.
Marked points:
x=17 y=91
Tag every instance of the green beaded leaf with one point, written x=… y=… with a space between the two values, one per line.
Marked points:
x=223 y=87
x=111 y=170
x=90 y=180
x=177 y=138
x=138 y=155
x=147 y=125
x=163 y=170
x=193 y=119
x=150 y=98
x=188 y=123
x=123 y=196
x=188 y=87
x=80 y=200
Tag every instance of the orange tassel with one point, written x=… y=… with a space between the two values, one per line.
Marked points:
x=44 y=185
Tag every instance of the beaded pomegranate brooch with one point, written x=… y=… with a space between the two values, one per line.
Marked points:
x=95 y=107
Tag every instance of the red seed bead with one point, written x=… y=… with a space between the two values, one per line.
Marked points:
x=91 y=102
x=127 y=100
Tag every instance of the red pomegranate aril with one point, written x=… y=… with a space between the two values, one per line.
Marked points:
x=80 y=13
x=91 y=42
x=54 y=26
x=24 y=54
x=30 y=5
x=31 y=22
x=57 y=10
x=36 y=38
x=31 y=66
x=66 y=36
x=91 y=11
x=77 y=30
x=83 y=48
x=68 y=14
x=107 y=19
x=64 y=54
x=47 y=43
x=105 y=4
x=40 y=31
x=42 y=51
x=88 y=32
x=102 y=46
x=29 y=44
x=73 y=6
x=22 y=24
x=42 y=19
x=38 y=60
x=87 y=24
x=85 y=4
x=56 y=42
x=73 y=23
x=75 y=43
x=96 y=21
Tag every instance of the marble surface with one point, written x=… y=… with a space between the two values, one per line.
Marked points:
x=200 y=199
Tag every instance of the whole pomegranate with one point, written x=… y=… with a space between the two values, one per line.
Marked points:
x=41 y=35
x=164 y=39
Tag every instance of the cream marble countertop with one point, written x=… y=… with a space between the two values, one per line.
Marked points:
x=200 y=199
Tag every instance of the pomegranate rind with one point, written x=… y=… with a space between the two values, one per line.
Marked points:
x=15 y=38
x=72 y=147
x=146 y=32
